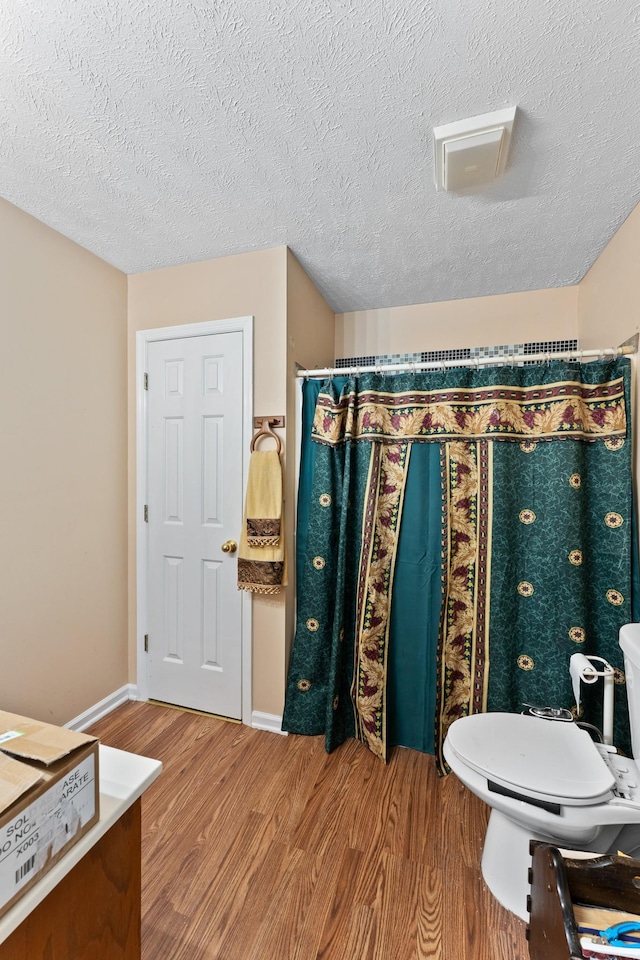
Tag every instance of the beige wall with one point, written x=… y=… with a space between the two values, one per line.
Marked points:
x=609 y=302
x=252 y=284
x=609 y=294
x=476 y=322
x=63 y=486
x=310 y=343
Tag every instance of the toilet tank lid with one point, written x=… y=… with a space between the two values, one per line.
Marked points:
x=546 y=759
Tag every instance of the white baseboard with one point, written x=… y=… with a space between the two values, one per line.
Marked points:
x=267 y=721
x=99 y=710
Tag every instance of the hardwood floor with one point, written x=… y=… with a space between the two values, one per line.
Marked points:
x=261 y=847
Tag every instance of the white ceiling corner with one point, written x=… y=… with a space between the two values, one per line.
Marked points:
x=162 y=133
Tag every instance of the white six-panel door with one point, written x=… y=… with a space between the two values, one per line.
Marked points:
x=195 y=396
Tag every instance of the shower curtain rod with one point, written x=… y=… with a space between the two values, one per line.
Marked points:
x=505 y=360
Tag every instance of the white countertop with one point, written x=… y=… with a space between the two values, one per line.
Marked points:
x=123 y=778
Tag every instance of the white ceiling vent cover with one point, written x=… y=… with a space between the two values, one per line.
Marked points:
x=473 y=151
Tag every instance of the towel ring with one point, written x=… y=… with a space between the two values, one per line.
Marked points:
x=266 y=431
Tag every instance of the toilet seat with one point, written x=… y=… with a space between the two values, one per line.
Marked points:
x=549 y=781
x=540 y=759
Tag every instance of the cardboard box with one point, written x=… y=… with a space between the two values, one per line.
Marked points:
x=49 y=798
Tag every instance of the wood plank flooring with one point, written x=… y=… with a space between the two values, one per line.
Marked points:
x=261 y=847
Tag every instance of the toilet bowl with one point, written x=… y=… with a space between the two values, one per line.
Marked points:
x=548 y=780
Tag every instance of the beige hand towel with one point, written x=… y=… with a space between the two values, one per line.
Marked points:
x=262 y=566
x=263 y=505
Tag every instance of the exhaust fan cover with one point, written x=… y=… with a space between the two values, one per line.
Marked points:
x=473 y=151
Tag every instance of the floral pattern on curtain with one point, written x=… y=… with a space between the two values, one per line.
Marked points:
x=382 y=513
x=535 y=521
x=461 y=676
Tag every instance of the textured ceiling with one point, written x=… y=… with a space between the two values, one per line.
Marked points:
x=158 y=133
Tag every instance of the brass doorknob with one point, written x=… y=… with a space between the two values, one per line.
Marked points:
x=229 y=546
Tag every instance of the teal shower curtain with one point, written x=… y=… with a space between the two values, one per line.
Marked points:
x=460 y=535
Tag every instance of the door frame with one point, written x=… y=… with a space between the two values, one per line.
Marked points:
x=244 y=325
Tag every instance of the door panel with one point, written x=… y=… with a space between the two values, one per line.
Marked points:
x=195 y=504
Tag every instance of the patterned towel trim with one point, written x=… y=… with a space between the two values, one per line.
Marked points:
x=263 y=541
x=263 y=532
x=260 y=576
x=255 y=588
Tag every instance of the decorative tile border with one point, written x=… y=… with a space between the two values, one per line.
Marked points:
x=433 y=356
x=460 y=353
x=550 y=346
x=363 y=361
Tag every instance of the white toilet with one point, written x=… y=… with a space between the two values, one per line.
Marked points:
x=548 y=780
